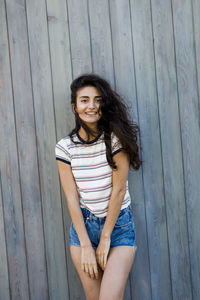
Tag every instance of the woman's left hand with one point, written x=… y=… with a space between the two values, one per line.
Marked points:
x=102 y=251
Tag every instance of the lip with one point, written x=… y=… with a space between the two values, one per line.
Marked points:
x=91 y=113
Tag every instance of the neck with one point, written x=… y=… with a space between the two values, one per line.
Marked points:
x=84 y=136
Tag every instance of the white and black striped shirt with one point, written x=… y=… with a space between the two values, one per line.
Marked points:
x=91 y=171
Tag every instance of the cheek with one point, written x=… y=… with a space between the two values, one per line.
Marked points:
x=80 y=109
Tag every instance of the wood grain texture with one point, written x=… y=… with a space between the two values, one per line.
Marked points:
x=190 y=129
x=101 y=41
x=152 y=172
x=80 y=39
x=10 y=181
x=149 y=52
x=171 y=143
x=125 y=85
x=5 y=83
x=46 y=140
x=196 y=26
x=4 y=282
x=27 y=152
x=60 y=55
x=121 y=44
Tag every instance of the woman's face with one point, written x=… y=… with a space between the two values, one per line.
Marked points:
x=88 y=101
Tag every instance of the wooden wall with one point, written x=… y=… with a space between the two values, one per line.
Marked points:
x=149 y=50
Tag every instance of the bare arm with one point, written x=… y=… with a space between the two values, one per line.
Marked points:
x=119 y=179
x=88 y=262
x=70 y=190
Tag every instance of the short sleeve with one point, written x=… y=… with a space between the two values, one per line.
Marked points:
x=115 y=144
x=62 y=152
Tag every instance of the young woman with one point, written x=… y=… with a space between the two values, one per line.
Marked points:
x=93 y=162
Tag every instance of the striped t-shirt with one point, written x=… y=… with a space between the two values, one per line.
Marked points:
x=91 y=171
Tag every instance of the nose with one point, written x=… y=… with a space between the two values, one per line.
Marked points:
x=91 y=104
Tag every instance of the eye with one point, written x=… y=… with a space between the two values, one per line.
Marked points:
x=98 y=100
x=84 y=100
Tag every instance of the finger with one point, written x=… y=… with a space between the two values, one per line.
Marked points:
x=91 y=272
x=86 y=269
x=96 y=274
x=82 y=267
x=105 y=261
x=101 y=261
x=98 y=258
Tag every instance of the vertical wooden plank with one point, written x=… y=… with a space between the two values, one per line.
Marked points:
x=125 y=85
x=62 y=76
x=123 y=53
x=171 y=149
x=61 y=64
x=79 y=37
x=152 y=156
x=27 y=151
x=46 y=139
x=102 y=60
x=4 y=282
x=196 y=28
x=190 y=130
x=4 y=75
x=11 y=194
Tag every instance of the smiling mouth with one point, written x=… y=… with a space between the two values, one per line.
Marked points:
x=91 y=114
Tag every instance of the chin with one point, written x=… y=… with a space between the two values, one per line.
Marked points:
x=90 y=123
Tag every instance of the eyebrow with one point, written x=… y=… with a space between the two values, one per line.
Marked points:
x=88 y=97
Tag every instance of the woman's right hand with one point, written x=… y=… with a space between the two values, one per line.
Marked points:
x=88 y=261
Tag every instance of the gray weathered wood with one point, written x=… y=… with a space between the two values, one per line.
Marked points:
x=190 y=129
x=60 y=56
x=101 y=42
x=61 y=78
x=5 y=83
x=152 y=172
x=196 y=26
x=10 y=182
x=27 y=151
x=171 y=143
x=149 y=51
x=125 y=85
x=46 y=139
x=79 y=37
x=4 y=282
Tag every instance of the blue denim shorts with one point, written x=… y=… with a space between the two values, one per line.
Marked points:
x=123 y=234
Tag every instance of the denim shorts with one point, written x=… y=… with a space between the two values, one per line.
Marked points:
x=123 y=234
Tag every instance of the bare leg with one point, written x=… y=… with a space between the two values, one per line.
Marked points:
x=91 y=286
x=116 y=272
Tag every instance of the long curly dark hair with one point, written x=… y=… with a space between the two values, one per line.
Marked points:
x=114 y=119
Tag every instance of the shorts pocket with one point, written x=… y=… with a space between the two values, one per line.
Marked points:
x=124 y=220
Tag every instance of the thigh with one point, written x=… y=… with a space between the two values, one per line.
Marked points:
x=91 y=286
x=115 y=275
